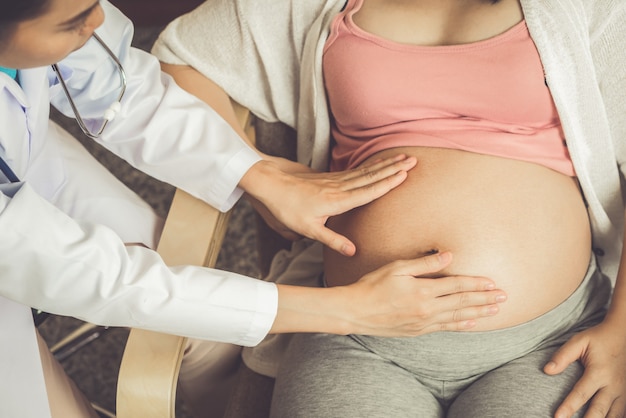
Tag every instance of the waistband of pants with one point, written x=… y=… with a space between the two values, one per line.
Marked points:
x=483 y=350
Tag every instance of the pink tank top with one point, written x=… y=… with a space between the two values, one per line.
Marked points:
x=487 y=97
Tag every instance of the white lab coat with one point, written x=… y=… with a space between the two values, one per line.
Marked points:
x=54 y=262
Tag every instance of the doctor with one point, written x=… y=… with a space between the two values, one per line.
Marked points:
x=65 y=222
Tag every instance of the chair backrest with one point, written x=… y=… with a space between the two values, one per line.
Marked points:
x=192 y=235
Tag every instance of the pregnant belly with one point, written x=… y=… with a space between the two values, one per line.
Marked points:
x=520 y=224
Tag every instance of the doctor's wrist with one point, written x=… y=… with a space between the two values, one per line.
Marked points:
x=262 y=181
x=313 y=309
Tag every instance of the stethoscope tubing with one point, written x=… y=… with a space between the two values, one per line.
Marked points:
x=108 y=116
x=112 y=110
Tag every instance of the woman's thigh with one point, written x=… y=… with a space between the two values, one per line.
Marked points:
x=334 y=376
x=519 y=388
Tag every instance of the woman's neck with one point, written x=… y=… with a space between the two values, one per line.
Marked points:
x=438 y=22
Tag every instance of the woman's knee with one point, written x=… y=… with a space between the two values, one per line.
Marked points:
x=518 y=388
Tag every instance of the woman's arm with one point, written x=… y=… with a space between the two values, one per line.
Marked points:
x=207 y=91
x=602 y=351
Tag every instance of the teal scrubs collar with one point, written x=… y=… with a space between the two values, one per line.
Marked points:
x=10 y=71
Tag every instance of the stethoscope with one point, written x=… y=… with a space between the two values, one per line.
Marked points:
x=108 y=116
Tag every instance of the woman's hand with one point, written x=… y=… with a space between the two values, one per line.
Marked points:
x=300 y=202
x=602 y=352
x=391 y=301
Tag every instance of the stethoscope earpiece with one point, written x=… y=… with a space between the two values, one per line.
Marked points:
x=112 y=111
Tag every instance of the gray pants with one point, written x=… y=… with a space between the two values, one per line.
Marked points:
x=446 y=374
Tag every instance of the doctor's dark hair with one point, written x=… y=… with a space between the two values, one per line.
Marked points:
x=13 y=12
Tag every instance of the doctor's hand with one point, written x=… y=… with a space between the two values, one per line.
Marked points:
x=299 y=202
x=391 y=301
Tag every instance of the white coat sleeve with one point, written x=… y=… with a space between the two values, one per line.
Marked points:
x=161 y=129
x=51 y=262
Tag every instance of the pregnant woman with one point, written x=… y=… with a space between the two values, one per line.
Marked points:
x=515 y=113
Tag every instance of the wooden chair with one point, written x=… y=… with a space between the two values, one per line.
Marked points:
x=192 y=235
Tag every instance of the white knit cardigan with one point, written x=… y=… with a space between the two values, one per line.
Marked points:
x=267 y=54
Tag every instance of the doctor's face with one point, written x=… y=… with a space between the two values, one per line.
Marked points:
x=64 y=26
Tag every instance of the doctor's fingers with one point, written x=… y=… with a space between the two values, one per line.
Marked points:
x=342 y=200
x=460 y=287
x=373 y=172
x=452 y=312
x=451 y=301
x=364 y=175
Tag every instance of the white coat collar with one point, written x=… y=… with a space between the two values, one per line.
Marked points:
x=24 y=109
x=13 y=88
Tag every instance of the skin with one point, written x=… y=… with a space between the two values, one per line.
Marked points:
x=600 y=349
x=448 y=303
x=52 y=36
x=397 y=303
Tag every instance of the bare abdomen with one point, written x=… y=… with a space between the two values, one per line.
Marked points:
x=521 y=224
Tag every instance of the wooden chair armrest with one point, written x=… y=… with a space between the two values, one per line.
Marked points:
x=193 y=234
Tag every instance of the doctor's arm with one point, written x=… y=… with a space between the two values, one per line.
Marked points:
x=54 y=263
x=179 y=139
x=51 y=262
x=293 y=199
